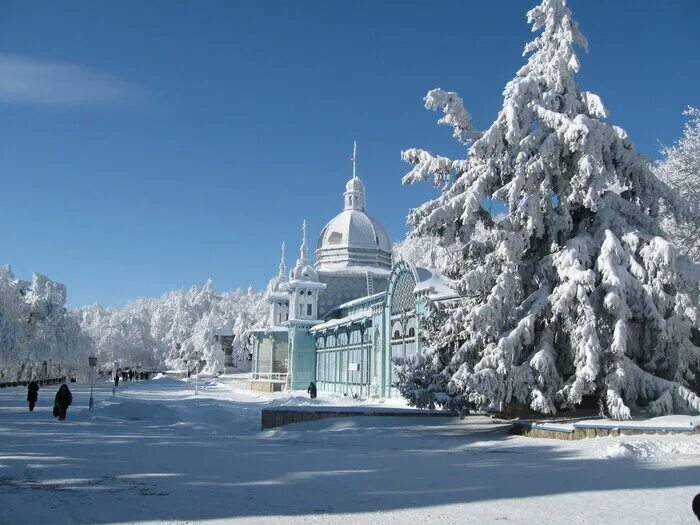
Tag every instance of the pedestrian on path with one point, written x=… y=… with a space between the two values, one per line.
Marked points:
x=63 y=400
x=32 y=394
x=312 y=390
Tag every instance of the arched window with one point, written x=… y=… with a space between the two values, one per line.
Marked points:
x=396 y=330
x=402 y=298
x=411 y=332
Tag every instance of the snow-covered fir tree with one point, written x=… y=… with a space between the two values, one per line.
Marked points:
x=680 y=169
x=575 y=292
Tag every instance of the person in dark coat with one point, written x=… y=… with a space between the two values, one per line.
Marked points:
x=32 y=394
x=63 y=400
x=312 y=390
x=116 y=380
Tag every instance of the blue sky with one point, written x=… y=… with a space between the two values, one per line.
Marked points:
x=146 y=146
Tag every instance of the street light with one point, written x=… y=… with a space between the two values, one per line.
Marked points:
x=92 y=361
x=196 y=378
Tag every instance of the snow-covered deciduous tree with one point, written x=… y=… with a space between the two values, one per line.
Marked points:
x=680 y=169
x=575 y=292
x=38 y=336
x=173 y=331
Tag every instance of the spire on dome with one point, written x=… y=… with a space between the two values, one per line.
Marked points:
x=283 y=266
x=354 y=159
x=302 y=270
x=303 y=251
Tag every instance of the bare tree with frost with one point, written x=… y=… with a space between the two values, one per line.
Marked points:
x=680 y=169
x=575 y=292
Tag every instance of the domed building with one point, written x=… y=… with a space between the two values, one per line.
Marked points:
x=341 y=321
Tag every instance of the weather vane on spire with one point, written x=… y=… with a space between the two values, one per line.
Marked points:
x=354 y=159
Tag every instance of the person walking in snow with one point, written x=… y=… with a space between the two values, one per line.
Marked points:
x=116 y=380
x=32 y=394
x=312 y=390
x=63 y=400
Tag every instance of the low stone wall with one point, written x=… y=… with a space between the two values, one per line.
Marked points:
x=272 y=418
x=265 y=386
x=529 y=430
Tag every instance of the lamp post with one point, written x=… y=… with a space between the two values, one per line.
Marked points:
x=92 y=361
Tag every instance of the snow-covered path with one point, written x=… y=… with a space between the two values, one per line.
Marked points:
x=157 y=453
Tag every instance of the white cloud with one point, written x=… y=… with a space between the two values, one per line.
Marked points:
x=51 y=83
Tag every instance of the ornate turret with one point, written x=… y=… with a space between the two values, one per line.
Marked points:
x=302 y=270
x=303 y=285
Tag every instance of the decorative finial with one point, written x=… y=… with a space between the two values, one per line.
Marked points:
x=354 y=159
x=303 y=251
x=283 y=266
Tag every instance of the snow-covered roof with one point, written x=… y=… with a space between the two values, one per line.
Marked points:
x=438 y=286
x=226 y=328
x=268 y=329
x=345 y=268
x=354 y=228
x=343 y=321
x=361 y=300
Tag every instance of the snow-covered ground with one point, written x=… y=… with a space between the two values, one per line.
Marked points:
x=157 y=453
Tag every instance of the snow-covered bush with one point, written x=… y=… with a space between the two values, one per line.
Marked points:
x=214 y=359
x=574 y=292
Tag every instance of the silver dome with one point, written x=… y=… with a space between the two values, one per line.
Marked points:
x=353 y=238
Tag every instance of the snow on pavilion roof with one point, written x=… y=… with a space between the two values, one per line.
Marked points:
x=343 y=321
x=438 y=286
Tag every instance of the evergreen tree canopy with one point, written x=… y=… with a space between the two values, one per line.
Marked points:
x=575 y=292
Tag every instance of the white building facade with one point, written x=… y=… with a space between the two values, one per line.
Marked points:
x=341 y=321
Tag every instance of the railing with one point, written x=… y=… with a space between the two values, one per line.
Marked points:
x=268 y=376
x=40 y=382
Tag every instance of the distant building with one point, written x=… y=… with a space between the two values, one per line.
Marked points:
x=340 y=321
x=224 y=336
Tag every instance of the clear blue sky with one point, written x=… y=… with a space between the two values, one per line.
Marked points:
x=146 y=146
